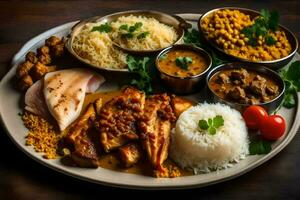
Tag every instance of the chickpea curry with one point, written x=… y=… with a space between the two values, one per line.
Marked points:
x=231 y=31
x=182 y=63
x=244 y=86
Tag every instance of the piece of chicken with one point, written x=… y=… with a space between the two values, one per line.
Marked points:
x=118 y=119
x=179 y=105
x=85 y=149
x=155 y=127
x=130 y=154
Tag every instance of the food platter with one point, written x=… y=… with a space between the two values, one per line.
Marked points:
x=9 y=109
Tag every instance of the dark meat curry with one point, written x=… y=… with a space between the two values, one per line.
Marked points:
x=244 y=86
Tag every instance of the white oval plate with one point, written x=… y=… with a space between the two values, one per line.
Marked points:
x=9 y=109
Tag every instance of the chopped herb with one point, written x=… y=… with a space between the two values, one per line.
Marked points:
x=265 y=22
x=139 y=65
x=259 y=147
x=123 y=27
x=127 y=35
x=135 y=27
x=143 y=35
x=20 y=114
x=183 y=62
x=102 y=28
x=194 y=37
x=291 y=77
x=211 y=124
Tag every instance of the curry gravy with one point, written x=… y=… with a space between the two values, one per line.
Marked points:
x=111 y=160
x=167 y=63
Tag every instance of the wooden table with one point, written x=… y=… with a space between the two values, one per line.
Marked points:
x=23 y=178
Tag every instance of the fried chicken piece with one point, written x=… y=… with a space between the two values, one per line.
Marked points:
x=179 y=105
x=52 y=41
x=130 y=154
x=23 y=69
x=39 y=70
x=25 y=82
x=85 y=148
x=58 y=50
x=43 y=50
x=155 y=127
x=44 y=59
x=118 y=117
x=31 y=57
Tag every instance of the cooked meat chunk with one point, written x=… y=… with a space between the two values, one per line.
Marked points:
x=239 y=76
x=44 y=59
x=258 y=86
x=58 y=50
x=31 y=57
x=272 y=90
x=85 y=150
x=118 y=119
x=23 y=69
x=236 y=93
x=130 y=154
x=222 y=78
x=43 y=50
x=155 y=127
x=52 y=41
x=179 y=105
x=25 y=82
x=38 y=71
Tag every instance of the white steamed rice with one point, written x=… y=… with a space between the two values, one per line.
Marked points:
x=194 y=149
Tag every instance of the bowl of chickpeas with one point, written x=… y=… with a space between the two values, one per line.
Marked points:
x=223 y=28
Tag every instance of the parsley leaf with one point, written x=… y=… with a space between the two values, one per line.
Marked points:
x=123 y=27
x=265 y=22
x=102 y=28
x=259 y=147
x=143 y=35
x=194 y=37
x=291 y=78
x=211 y=124
x=183 y=62
x=139 y=66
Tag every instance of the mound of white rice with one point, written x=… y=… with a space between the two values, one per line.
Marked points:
x=195 y=149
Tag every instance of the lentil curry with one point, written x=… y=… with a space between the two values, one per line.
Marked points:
x=243 y=86
x=182 y=63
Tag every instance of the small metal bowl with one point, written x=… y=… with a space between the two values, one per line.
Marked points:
x=188 y=84
x=269 y=106
x=273 y=64
x=172 y=20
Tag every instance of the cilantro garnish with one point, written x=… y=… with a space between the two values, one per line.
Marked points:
x=291 y=77
x=183 y=62
x=139 y=65
x=212 y=124
x=259 y=147
x=194 y=37
x=130 y=31
x=265 y=22
x=102 y=28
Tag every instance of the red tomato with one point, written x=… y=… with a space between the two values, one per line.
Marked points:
x=254 y=116
x=273 y=128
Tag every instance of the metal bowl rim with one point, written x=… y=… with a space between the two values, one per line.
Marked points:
x=242 y=59
x=247 y=65
x=184 y=46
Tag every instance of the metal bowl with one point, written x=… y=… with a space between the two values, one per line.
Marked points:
x=269 y=106
x=188 y=84
x=273 y=64
x=172 y=20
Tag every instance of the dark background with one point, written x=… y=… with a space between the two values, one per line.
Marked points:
x=23 y=178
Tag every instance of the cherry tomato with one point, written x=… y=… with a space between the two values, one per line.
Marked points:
x=254 y=116
x=273 y=128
